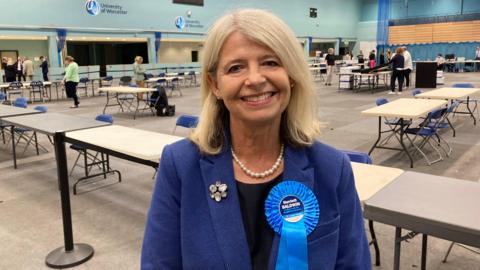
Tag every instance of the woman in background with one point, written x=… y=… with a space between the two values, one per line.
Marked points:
x=398 y=65
x=371 y=58
x=139 y=74
x=71 y=80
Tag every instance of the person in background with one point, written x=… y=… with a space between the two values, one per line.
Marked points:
x=44 y=67
x=440 y=62
x=408 y=66
x=330 y=58
x=139 y=74
x=10 y=70
x=382 y=58
x=4 y=65
x=389 y=55
x=71 y=80
x=28 y=69
x=257 y=129
x=19 y=69
x=371 y=58
x=361 y=58
x=398 y=64
x=477 y=57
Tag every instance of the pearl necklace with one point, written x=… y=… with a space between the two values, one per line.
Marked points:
x=260 y=174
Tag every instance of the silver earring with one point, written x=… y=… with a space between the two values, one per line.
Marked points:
x=218 y=191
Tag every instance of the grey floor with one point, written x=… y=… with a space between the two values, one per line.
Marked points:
x=111 y=218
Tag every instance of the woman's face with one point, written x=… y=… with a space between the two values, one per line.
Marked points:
x=67 y=62
x=251 y=81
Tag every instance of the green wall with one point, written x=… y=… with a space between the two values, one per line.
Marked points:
x=29 y=48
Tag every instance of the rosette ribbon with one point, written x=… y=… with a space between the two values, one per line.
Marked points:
x=292 y=211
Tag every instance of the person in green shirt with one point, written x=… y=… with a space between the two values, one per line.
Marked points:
x=71 y=80
x=139 y=74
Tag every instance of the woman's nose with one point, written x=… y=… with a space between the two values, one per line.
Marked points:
x=255 y=77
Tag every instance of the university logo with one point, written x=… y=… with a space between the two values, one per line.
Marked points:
x=179 y=22
x=92 y=7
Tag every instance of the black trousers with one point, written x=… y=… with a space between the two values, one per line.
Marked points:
x=406 y=74
x=45 y=77
x=396 y=74
x=71 y=89
x=20 y=76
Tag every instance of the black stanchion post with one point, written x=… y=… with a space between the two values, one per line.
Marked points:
x=70 y=254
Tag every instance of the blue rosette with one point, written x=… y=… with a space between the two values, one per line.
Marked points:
x=292 y=211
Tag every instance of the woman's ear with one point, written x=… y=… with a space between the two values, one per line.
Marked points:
x=212 y=82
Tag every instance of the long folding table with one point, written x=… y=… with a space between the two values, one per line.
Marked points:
x=369 y=179
x=452 y=94
x=442 y=207
x=12 y=111
x=402 y=109
x=132 y=91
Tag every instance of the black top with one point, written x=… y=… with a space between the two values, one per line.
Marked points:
x=44 y=67
x=397 y=61
x=371 y=56
x=259 y=233
x=330 y=59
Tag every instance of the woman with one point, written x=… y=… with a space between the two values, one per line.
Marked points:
x=382 y=59
x=371 y=57
x=139 y=74
x=258 y=109
x=71 y=80
x=389 y=55
x=397 y=62
x=330 y=58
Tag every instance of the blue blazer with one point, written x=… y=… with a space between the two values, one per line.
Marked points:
x=186 y=229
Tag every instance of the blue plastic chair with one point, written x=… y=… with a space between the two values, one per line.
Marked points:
x=416 y=91
x=90 y=159
x=106 y=81
x=463 y=85
x=104 y=118
x=186 y=121
x=15 y=88
x=426 y=131
x=359 y=157
x=23 y=133
x=2 y=97
x=464 y=101
x=20 y=102
x=84 y=81
x=161 y=74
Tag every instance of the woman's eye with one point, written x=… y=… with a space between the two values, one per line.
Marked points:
x=234 y=69
x=271 y=63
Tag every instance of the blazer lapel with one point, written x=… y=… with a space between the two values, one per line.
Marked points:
x=297 y=168
x=226 y=215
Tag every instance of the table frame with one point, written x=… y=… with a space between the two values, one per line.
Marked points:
x=118 y=103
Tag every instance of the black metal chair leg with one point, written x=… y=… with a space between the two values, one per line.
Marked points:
x=374 y=242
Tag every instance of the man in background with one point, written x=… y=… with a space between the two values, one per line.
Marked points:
x=28 y=69
x=4 y=66
x=19 y=69
x=44 y=67
x=408 y=66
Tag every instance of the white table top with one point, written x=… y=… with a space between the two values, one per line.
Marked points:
x=409 y=108
x=146 y=145
x=155 y=79
x=449 y=93
x=126 y=89
x=369 y=179
x=9 y=111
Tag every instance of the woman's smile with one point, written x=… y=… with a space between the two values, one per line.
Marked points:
x=261 y=99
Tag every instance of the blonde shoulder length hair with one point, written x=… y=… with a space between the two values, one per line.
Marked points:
x=299 y=124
